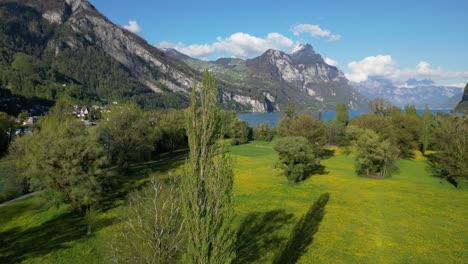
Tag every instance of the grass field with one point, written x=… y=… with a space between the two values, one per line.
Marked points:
x=408 y=218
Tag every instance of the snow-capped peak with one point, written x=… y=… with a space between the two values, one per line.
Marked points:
x=297 y=48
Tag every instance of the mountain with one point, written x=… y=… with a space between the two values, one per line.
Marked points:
x=413 y=92
x=462 y=106
x=51 y=48
x=276 y=78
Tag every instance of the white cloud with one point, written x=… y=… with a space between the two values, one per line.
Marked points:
x=331 y=62
x=132 y=27
x=380 y=65
x=385 y=66
x=239 y=45
x=315 y=31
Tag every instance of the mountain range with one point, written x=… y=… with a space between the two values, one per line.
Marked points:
x=412 y=92
x=56 y=47
x=276 y=78
x=52 y=48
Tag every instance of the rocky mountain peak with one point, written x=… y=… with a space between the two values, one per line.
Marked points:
x=302 y=48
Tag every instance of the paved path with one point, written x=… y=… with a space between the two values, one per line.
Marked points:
x=18 y=199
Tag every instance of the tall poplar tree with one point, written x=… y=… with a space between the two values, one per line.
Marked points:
x=208 y=181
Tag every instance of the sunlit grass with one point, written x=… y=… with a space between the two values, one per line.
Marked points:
x=411 y=217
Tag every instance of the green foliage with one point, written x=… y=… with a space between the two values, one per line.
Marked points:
x=336 y=132
x=296 y=157
x=451 y=159
x=401 y=130
x=128 y=134
x=171 y=123
x=374 y=157
x=239 y=132
x=23 y=115
x=427 y=123
x=303 y=125
x=11 y=184
x=342 y=113
x=263 y=132
x=207 y=183
x=64 y=158
x=405 y=134
x=6 y=132
x=411 y=110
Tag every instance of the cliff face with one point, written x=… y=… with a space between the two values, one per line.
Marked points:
x=462 y=107
x=276 y=78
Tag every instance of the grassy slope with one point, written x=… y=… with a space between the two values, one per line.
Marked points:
x=410 y=218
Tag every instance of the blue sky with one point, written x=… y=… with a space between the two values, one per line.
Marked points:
x=394 y=39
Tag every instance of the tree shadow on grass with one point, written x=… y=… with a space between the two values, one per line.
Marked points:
x=258 y=234
x=303 y=233
x=316 y=170
x=326 y=153
x=17 y=245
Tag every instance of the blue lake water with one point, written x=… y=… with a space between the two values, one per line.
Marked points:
x=255 y=119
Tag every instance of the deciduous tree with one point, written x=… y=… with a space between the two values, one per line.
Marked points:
x=296 y=157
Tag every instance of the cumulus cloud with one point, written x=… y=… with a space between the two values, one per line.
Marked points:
x=132 y=27
x=331 y=62
x=239 y=45
x=315 y=31
x=380 y=65
x=385 y=66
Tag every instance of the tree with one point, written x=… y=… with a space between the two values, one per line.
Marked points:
x=411 y=110
x=263 y=132
x=239 y=132
x=342 y=114
x=427 y=121
x=451 y=158
x=152 y=229
x=373 y=157
x=64 y=158
x=405 y=134
x=336 y=132
x=171 y=123
x=402 y=130
x=6 y=132
x=128 y=134
x=304 y=125
x=296 y=157
x=207 y=183
x=380 y=106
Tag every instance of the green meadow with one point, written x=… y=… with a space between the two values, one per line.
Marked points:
x=334 y=217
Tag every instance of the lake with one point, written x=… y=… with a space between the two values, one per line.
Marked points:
x=255 y=119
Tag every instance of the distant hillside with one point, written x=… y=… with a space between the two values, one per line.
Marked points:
x=276 y=78
x=462 y=106
x=413 y=92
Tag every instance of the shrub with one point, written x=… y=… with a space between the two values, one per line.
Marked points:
x=296 y=157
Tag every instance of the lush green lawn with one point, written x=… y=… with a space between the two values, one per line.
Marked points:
x=409 y=218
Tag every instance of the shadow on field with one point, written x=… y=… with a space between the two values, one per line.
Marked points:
x=258 y=234
x=17 y=245
x=303 y=233
x=327 y=153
